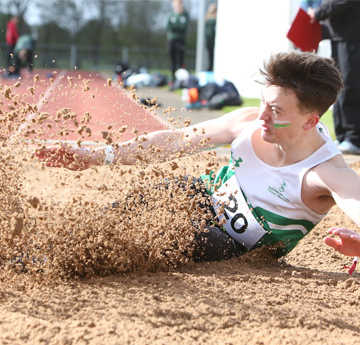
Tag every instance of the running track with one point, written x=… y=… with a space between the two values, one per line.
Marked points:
x=66 y=100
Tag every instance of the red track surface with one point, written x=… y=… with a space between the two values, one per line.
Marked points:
x=80 y=92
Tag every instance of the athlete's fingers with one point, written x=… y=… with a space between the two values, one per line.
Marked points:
x=336 y=244
x=61 y=157
x=54 y=164
x=344 y=233
x=332 y=230
x=50 y=152
x=339 y=231
x=75 y=168
x=41 y=153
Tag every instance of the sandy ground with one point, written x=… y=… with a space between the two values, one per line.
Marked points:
x=304 y=298
x=74 y=271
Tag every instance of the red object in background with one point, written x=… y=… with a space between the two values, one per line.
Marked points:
x=193 y=94
x=304 y=35
x=12 y=34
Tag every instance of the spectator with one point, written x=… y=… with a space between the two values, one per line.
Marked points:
x=23 y=54
x=176 y=35
x=12 y=36
x=306 y=4
x=341 y=21
x=210 y=30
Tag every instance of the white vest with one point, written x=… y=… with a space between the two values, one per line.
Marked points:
x=272 y=194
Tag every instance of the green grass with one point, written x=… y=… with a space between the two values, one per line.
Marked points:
x=327 y=118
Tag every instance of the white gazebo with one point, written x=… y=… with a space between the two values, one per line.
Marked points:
x=247 y=33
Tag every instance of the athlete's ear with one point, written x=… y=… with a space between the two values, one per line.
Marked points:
x=311 y=121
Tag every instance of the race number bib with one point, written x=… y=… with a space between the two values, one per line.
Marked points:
x=240 y=223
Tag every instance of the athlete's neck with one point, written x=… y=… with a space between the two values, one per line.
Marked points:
x=287 y=152
x=296 y=150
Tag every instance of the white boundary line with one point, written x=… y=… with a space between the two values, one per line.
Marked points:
x=48 y=92
x=40 y=102
x=156 y=117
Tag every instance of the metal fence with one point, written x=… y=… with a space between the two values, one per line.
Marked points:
x=99 y=58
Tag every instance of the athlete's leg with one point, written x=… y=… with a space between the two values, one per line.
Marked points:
x=211 y=243
x=215 y=244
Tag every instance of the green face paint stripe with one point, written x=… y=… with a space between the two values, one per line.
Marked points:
x=282 y=125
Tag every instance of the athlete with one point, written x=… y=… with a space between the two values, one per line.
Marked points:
x=285 y=172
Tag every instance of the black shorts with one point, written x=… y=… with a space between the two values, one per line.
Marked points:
x=213 y=243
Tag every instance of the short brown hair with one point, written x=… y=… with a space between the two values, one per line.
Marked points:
x=315 y=80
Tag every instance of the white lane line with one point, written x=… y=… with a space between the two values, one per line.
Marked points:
x=41 y=102
x=155 y=117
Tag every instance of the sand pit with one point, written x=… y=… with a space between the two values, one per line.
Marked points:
x=72 y=273
x=305 y=298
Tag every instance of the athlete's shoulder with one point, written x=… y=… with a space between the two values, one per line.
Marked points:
x=334 y=163
x=332 y=173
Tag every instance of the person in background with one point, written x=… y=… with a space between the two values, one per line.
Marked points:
x=341 y=21
x=176 y=34
x=210 y=30
x=306 y=4
x=23 y=53
x=12 y=36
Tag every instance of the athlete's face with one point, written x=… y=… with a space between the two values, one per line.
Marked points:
x=280 y=115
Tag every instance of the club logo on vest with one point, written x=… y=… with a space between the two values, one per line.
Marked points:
x=236 y=162
x=279 y=192
x=282 y=187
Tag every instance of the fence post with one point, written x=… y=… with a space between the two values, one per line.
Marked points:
x=125 y=55
x=200 y=42
x=73 y=56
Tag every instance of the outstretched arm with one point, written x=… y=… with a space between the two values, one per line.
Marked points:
x=343 y=184
x=156 y=146
x=345 y=189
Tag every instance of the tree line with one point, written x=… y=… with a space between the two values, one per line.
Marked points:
x=96 y=23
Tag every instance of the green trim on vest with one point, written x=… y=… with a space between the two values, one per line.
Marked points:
x=280 y=220
x=213 y=181
x=277 y=235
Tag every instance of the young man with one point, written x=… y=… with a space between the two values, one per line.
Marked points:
x=176 y=28
x=23 y=53
x=285 y=172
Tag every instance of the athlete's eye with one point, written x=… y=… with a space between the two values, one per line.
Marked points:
x=275 y=111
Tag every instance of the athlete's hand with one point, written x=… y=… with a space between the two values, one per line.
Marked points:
x=66 y=156
x=348 y=242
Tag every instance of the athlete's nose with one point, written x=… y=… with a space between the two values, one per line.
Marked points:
x=264 y=114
